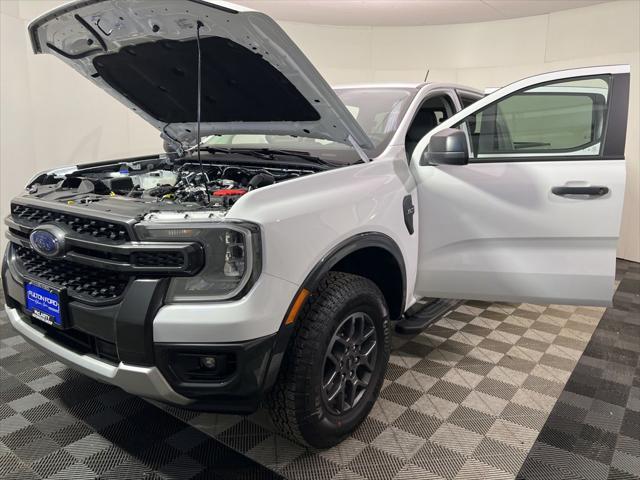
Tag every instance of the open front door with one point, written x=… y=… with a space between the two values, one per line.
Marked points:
x=535 y=214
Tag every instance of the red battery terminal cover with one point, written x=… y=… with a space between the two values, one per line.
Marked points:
x=227 y=192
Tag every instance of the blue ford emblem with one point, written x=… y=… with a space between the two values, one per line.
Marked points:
x=47 y=240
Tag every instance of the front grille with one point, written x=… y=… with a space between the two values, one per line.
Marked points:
x=80 y=280
x=155 y=259
x=84 y=226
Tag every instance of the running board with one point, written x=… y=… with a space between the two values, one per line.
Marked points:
x=420 y=317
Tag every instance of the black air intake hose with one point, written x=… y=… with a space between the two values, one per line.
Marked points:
x=261 y=180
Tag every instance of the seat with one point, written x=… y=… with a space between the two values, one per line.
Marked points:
x=424 y=122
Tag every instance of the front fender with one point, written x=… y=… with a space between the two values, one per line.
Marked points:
x=304 y=220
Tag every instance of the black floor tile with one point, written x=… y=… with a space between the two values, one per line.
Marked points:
x=124 y=436
x=606 y=373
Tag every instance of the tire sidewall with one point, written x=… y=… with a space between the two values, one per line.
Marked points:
x=322 y=424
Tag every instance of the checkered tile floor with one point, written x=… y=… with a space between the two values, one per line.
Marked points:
x=58 y=424
x=464 y=399
x=593 y=431
x=471 y=397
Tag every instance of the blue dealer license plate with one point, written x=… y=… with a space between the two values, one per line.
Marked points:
x=45 y=304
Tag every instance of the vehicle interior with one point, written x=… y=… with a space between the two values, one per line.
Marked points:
x=432 y=112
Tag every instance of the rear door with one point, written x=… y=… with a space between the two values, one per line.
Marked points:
x=535 y=215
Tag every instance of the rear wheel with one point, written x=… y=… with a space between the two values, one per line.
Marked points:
x=335 y=364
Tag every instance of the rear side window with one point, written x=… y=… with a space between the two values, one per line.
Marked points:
x=559 y=118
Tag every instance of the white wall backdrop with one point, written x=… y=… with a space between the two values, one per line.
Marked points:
x=50 y=116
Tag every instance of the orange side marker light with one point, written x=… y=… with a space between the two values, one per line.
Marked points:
x=297 y=305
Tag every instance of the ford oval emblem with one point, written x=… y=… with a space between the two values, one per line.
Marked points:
x=48 y=240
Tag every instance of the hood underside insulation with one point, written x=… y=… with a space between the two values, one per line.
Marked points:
x=161 y=81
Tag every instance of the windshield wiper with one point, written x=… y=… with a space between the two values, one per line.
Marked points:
x=215 y=149
x=270 y=153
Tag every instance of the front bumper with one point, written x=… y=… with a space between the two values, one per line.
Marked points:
x=238 y=392
x=143 y=381
x=133 y=344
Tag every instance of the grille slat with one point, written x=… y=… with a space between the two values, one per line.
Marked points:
x=84 y=226
x=80 y=280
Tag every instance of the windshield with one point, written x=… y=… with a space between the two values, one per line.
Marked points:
x=377 y=110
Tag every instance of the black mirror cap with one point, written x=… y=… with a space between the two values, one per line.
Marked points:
x=447 y=147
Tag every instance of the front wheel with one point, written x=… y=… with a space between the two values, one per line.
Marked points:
x=334 y=367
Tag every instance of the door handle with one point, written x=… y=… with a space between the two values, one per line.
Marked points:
x=595 y=191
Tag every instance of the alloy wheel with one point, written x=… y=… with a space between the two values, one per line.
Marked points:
x=349 y=363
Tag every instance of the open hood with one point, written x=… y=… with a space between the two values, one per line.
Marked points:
x=144 y=53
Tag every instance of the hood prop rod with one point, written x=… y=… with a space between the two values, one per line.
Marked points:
x=199 y=24
x=356 y=146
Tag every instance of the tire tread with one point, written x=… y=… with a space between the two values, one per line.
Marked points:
x=314 y=322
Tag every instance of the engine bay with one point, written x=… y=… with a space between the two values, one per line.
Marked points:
x=164 y=183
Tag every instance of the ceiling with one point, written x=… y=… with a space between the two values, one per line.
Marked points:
x=407 y=12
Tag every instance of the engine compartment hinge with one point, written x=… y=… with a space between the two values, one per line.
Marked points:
x=172 y=146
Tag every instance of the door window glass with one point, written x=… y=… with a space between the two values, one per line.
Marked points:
x=564 y=118
x=431 y=113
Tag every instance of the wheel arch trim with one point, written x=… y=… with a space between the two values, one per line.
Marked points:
x=322 y=267
x=352 y=245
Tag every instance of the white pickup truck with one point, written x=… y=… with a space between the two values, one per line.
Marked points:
x=266 y=254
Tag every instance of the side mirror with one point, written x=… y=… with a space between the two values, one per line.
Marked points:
x=448 y=147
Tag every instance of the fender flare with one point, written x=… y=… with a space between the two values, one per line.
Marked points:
x=326 y=263
x=353 y=244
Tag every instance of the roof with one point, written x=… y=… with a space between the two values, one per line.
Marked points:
x=409 y=85
x=381 y=85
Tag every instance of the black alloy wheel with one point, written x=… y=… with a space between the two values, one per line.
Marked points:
x=349 y=363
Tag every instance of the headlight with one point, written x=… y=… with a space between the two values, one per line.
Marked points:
x=232 y=253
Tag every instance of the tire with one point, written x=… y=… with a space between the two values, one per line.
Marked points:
x=345 y=312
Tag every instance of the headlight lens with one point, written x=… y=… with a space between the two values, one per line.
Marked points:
x=232 y=253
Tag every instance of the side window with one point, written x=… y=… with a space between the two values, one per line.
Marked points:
x=467 y=99
x=433 y=111
x=564 y=118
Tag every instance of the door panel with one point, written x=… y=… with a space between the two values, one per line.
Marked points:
x=521 y=222
x=495 y=231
